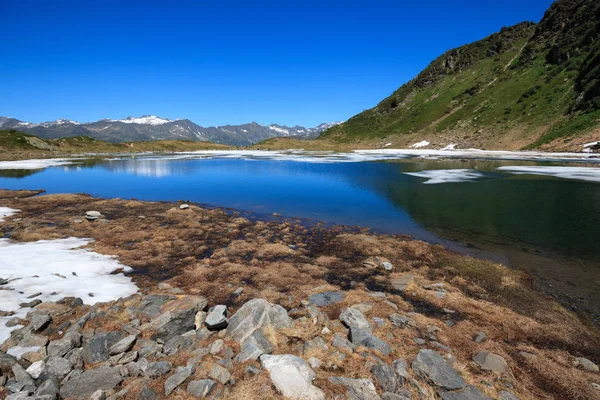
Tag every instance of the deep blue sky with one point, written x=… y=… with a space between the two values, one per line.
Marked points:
x=301 y=62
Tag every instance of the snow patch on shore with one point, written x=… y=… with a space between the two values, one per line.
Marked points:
x=7 y=212
x=436 y=176
x=34 y=164
x=57 y=269
x=578 y=173
x=423 y=143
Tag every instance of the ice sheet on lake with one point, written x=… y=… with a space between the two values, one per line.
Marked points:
x=578 y=173
x=34 y=164
x=56 y=266
x=7 y=212
x=435 y=176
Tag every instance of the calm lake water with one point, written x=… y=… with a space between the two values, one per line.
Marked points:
x=530 y=221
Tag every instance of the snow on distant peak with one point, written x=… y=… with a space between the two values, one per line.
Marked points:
x=61 y=121
x=145 y=119
x=279 y=129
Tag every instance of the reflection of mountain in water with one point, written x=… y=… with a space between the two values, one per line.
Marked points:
x=151 y=167
x=549 y=213
x=18 y=173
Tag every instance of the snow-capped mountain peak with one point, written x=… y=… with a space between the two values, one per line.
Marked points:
x=144 y=119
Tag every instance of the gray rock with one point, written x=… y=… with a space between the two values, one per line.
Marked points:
x=20 y=396
x=360 y=337
x=31 y=304
x=385 y=377
x=401 y=321
x=62 y=346
x=490 y=362
x=341 y=343
x=33 y=340
x=178 y=378
x=57 y=368
x=353 y=318
x=128 y=357
x=387 y=265
x=292 y=377
x=201 y=388
x=147 y=394
x=151 y=304
x=47 y=388
x=504 y=395
x=396 y=396
x=419 y=341
x=401 y=369
x=176 y=325
x=93 y=215
x=468 y=393
x=219 y=373
x=326 y=298
x=587 y=364
x=40 y=322
x=255 y=315
x=199 y=319
x=6 y=362
x=36 y=369
x=479 y=337
x=358 y=389
x=88 y=382
x=216 y=319
x=75 y=357
x=315 y=345
x=250 y=352
x=157 y=368
x=122 y=345
x=431 y=367
x=98 y=395
x=21 y=375
x=260 y=341
x=97 y=348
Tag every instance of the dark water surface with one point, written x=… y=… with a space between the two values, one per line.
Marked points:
x=530 y=221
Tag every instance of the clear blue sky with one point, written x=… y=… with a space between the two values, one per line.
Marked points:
x=288 y=62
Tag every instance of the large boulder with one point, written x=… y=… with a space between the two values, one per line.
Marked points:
x=358 y=389
x=82 y=385
x=257 y=315
x=431 y=367
x=292 y=377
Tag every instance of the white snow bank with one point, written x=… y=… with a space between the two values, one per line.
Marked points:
x=57 y=269
x=590 y=144
x=423 y=143
x=451 y=146
x=34 y=164
x=579 y=173
x=7 y=212
x=447 y=175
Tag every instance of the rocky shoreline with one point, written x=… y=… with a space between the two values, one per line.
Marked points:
x=237 y=309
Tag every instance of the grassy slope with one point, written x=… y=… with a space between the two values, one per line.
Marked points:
x=16 y=145
x=512 y=89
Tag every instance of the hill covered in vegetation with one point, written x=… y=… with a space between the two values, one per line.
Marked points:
x=527 y=86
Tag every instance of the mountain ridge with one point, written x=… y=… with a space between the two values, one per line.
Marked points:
x=526 y=86
x=150 y=127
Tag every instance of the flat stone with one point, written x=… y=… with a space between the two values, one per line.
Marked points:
x=122 y=345
x=292 y=377
x=360 y=337
x=587 y=364
x=84 y=384
x=353 y=318
x=468 y=393
x=250 y=352
x=358 y=389
x=216 y=319
x=178 y=378
x=157 y=368
x=385 y=377
x=40 y=322
x=326 y=298
x=490 y=362
x=479 y=337
x=400 y=283
x=97 y=348
x=201 y=388
x=432 y=368
x=401 y=321
x=219 y=373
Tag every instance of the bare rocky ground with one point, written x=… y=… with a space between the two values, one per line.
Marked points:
x=234 y=308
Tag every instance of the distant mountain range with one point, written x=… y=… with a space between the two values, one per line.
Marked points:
x=149 y=127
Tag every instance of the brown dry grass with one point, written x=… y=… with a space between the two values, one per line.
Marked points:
x=211 y=253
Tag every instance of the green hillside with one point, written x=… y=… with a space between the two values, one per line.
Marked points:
x=526 y=86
